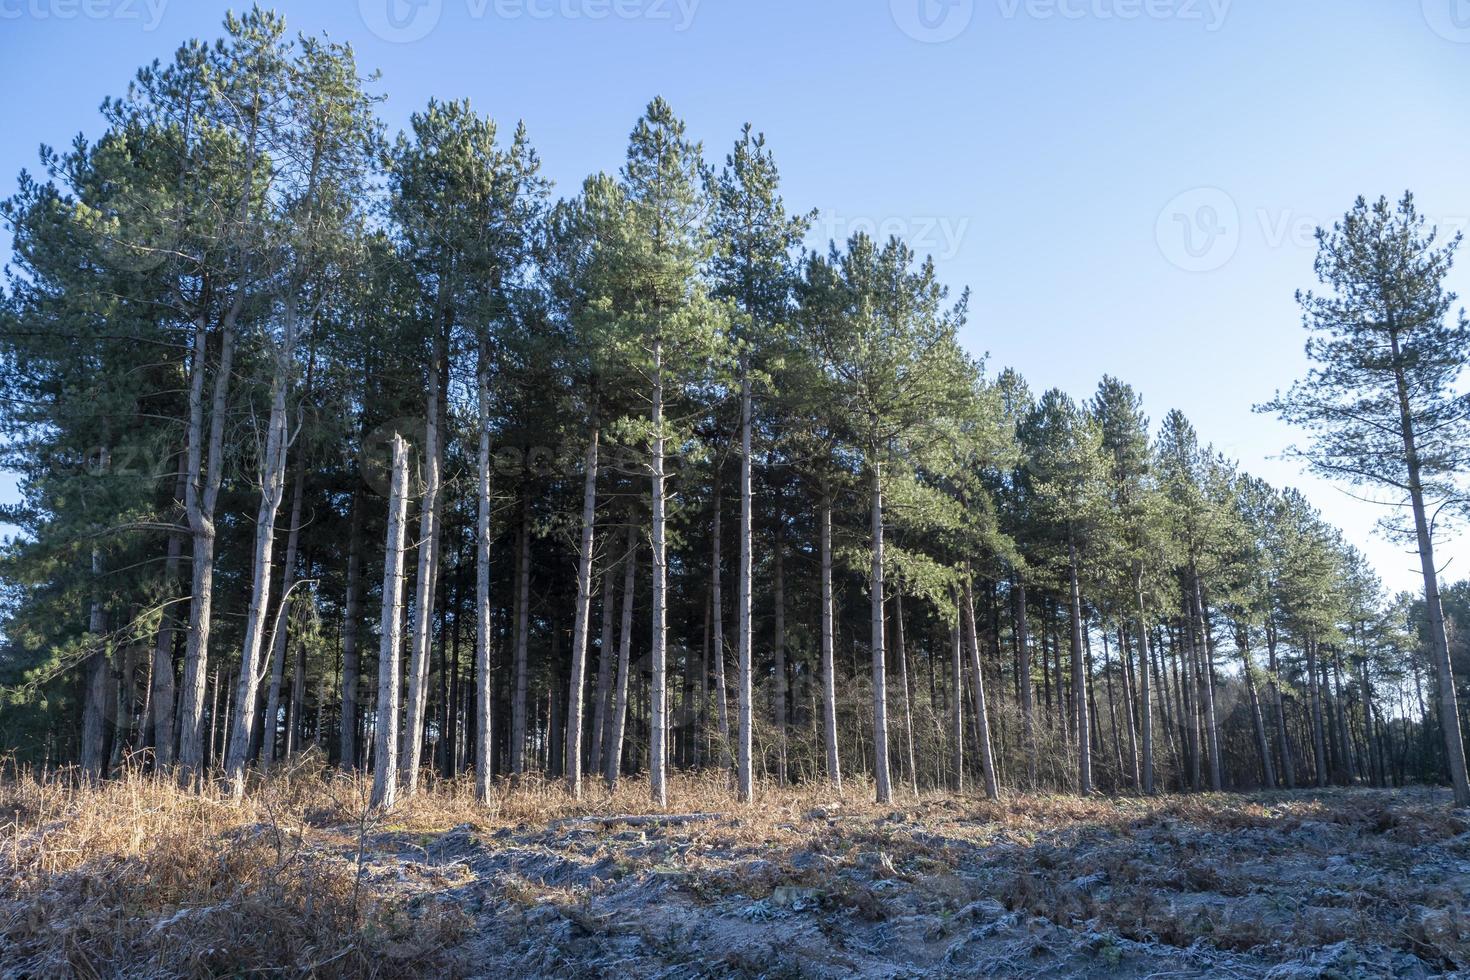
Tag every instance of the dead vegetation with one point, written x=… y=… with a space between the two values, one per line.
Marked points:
x=133 y=877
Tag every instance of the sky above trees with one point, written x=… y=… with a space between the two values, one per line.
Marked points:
x=1128 y=188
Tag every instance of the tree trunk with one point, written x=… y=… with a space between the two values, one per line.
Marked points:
x=880 y=678
x=580 y=617
x=829 y=666
x=1278 y=703
x=1319 y=741
x=779 y=649
x=351 y=658
x=1145 y=704
x=717 y=603
x=606 y=659
x=617 y=721
x=903 y=678
x=201 y=492
x=745 y=782
x=957 y=702
x=428 y=574
x=161 y=699
x=1079 y=680
x=658 y=654
x=273 y=475
x=98 y=681
x=1023 y=668
x=523 y=637
x=982 y=715
x=283 y=613
x=1248 y=670
x=1439 y=651
x=1207 y=687
x=385 y=752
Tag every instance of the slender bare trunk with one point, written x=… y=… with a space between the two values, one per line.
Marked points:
x=351 y=658
x=1319 y=741
x=1207 y=687
x=1248 y=671
x=779 y=649
x=745 y=779
x=617 y=722
x=829 y=667
x=982 y=714
x=658 y=654
x=717 y=608
x=1023 y=666
x=1449 y=709
x=427 y=582
x=272 y=479
x=901 y=649
x=606 y=659
x=385 y=753
x=1079 y=680
x=98 y=680
x=161 y=699
x=881 y=776
x=583 y=612
x=283 y=613
x=957 y=700
x=201 y=493
x=1144 y=703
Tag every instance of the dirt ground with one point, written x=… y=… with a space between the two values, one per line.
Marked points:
x=1338 y=884
x=139 y=880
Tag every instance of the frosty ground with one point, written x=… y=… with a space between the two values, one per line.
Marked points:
x=151 y=882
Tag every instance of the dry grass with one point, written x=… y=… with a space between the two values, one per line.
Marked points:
x=136 y=876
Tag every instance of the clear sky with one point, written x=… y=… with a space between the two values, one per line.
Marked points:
x=1128 y=186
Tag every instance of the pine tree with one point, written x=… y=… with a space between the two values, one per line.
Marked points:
x=1382 y=402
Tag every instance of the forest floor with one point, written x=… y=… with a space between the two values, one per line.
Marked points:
x=138 y=879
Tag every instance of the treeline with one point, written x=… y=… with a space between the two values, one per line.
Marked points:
x=368 y=446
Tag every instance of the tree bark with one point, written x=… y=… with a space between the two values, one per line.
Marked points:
x=717 y=603
x=957 y=701
x=982 y=714
x=1079 y=680
x=745 y=780
x=161 y=699
x=201 y=493
x=606 y=660
x=580 y=617
x=273 y=476
x=428 y=573
x=617 y=721
x=1023 y=680
x=658 y=685
x=829 y=666
x=881 y=778
x=523 y=637
x=901 y=649
x=1145 y=703
x=283 y=613
x=351 y=658
x=1449 y=709
x=385 y=753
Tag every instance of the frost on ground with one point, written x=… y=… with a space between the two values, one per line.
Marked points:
x=138 y=879
x=1336 y=884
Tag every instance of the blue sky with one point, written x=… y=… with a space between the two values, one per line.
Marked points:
x=1128 y=186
